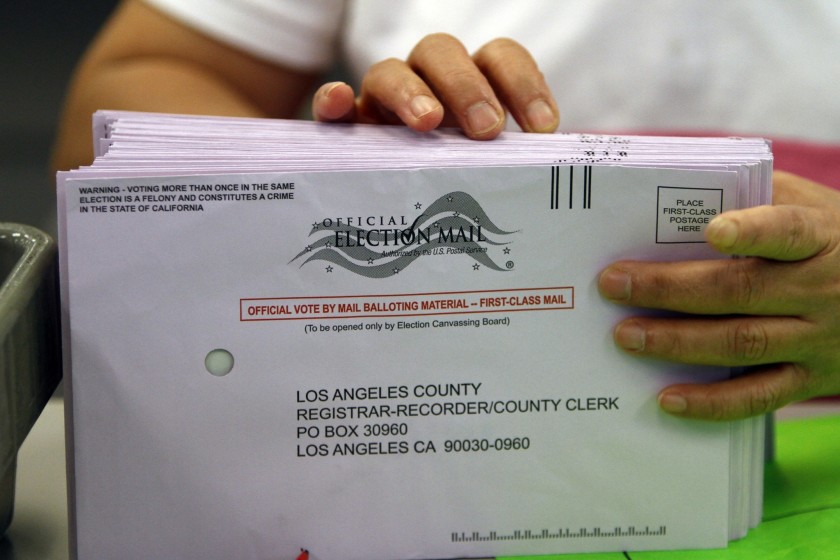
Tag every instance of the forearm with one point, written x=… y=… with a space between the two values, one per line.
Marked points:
x=144 y=61
x=178 y=88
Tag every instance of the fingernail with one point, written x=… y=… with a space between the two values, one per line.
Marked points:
x=422 y=105
x=630 y=336
x=673 y=403
x=482 y=118
x=540 y=116
x=615 y=285
x=722 y=231
x=328 y=88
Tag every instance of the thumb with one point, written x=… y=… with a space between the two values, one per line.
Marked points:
x=782 y=233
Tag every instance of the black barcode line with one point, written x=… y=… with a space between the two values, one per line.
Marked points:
x=571 y=187
x=587 y=186
x=556 y=181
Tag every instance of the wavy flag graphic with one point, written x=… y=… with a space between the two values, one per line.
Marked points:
x=454 y=223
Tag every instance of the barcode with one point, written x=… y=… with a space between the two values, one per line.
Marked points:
x=563 y=178
x=561 y=533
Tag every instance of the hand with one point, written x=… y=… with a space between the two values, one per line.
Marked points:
x=442 y=85
x=776 y=311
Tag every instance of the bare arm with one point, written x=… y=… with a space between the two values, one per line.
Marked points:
x=142 y=60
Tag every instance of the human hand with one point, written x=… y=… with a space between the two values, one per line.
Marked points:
x=776 y=311
x=442 y=85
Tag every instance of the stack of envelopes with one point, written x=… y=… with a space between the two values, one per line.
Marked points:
x=374 y=344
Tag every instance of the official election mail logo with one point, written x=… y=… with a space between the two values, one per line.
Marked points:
x=382 y=246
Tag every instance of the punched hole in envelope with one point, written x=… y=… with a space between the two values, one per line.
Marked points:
x=219 y=362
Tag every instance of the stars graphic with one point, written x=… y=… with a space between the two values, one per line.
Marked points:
x=316 y=226
x=449 y=198
x=396 y=270
x=328 y=245
x=476 y=266
x=418 y=206
x=329 y=268
x=370 y=260
x=477 y=219
x=506 y=251
x=308 y=249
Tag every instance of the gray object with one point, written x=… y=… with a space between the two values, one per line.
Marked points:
x=30 y=356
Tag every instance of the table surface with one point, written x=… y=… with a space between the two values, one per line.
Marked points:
x=39 y=527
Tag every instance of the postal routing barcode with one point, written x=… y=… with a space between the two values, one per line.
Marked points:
x=564 y=178
x=560 y=533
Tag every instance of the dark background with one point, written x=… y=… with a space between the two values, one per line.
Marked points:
x=40 y=44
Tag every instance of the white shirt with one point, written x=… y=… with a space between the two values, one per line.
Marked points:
x=765 y=67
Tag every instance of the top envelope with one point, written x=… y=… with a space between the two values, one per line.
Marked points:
x=374 y=344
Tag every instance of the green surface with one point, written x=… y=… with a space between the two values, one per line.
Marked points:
x=801 y=503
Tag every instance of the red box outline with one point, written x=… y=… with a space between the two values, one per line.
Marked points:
x=425 y=314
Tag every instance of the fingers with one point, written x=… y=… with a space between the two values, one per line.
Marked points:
x=443 y=62
x=748 y=395
x=441 y=83
x=800 y=254
x=774 y=310
x=394 y=95
x=799 y=250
